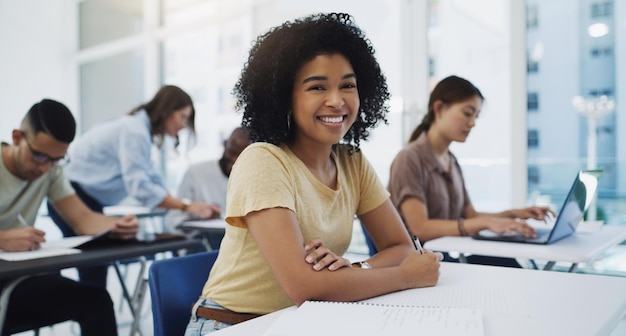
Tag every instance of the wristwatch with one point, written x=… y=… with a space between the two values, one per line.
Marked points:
x=362 y=264
x=186 y=203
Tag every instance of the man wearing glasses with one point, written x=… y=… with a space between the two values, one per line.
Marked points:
x=30 y=171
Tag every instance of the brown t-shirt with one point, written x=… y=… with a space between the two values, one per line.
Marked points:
x=416 y=172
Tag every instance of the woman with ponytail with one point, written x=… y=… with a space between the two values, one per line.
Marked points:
x=426 y=182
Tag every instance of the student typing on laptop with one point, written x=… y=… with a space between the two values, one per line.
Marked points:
x=426 y=182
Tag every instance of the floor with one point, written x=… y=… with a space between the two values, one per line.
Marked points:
x=611 y=263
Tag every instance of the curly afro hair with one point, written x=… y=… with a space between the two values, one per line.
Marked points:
x=264 y=89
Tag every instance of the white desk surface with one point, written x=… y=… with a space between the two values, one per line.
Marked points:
x=577 y=248
x=207 y=224
x=524 y=302
x=139 y=211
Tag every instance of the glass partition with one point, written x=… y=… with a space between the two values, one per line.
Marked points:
x=102 y=21
x=110 y=87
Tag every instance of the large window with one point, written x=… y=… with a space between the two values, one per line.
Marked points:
x=580 y=88
x=472 y=39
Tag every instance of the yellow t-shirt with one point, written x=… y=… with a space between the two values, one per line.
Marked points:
x=267 y=176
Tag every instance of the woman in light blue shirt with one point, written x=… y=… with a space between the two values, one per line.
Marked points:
x=113 y=160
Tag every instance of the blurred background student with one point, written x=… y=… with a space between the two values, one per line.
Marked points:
x=31 y=170
x=112 y=161
x=426 y=182
x=207 y=181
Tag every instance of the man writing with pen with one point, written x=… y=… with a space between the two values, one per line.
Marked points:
x=31 y=170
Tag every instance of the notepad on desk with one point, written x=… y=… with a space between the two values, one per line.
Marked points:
x=36 y=254
x=64 y=246
x=367 y=319
x=53 y=248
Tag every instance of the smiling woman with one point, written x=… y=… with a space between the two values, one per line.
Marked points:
x=326 y=101
x=310 y=92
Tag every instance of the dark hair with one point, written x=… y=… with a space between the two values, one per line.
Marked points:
x=264 y=89
x=449 y=90
x=239 y=132
x=166 y=101
x=52 y=118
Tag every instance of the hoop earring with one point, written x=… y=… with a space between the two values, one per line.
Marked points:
x=289 y=122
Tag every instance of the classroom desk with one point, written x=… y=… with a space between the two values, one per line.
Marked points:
x=575 y=249
x=204 y=227
x=151 y=221
x=12 y=272
x=217 y=225
x=513 y=301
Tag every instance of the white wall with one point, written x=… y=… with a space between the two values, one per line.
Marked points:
x=38 y=40
x=36 y=43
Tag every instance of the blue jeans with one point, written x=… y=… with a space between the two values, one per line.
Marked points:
x=199 y=326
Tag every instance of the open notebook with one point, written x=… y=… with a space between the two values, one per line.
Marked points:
x=314 y=318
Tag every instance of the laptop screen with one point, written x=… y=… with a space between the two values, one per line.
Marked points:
x=577 y=202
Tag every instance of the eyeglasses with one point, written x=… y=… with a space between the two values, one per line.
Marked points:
x=42 y=158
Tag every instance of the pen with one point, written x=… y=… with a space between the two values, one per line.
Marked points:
x=22 y=220
x=417 y=244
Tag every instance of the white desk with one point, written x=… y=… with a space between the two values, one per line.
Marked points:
x=204 y=228
x=526 y=302
x=575 y=249
x=207 y=225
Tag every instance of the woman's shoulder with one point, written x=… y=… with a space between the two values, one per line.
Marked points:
x=262 y=151
x=259 y=147
x=412 y=149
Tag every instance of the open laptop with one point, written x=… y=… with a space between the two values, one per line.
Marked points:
x=576 y=203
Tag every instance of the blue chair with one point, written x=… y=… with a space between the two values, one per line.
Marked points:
x=175 y=285
x=370 y=243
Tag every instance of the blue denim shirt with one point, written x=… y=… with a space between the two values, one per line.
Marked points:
x=113 y=160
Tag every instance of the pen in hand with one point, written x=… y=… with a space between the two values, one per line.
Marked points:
x=418 y=245
x=22 y=220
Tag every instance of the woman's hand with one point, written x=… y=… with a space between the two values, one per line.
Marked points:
x=534 y=212
x=421 y=270
x=204 y=210
x=126 y=227
x=508 y=226
x=321 y=257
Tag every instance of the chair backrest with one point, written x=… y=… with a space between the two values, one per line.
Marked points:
x=175 y=285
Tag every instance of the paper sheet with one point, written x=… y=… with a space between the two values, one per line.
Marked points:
x=67 y=245
x=41 y=253
x=493 y=301
x=340 y=318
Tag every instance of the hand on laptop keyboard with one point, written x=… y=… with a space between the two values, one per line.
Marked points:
x=507 y=226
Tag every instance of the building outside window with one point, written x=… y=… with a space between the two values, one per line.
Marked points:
x=579 y=57
x=532 y=67
x=533 y=139
x=533 y=101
